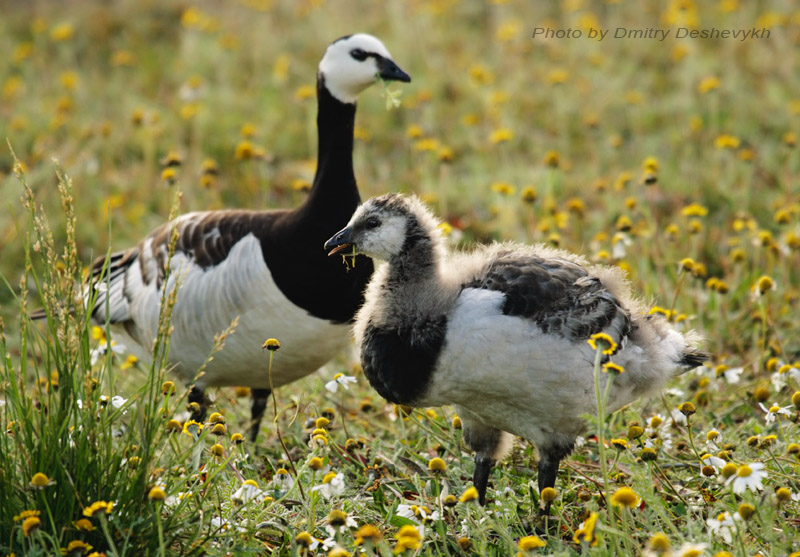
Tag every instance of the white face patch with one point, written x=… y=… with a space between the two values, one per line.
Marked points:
x=384 y=241
x=345 y=76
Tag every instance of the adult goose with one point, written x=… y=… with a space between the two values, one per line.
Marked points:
x=264 y=268
x=500 y=332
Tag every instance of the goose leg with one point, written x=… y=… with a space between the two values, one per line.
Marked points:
x=549 y=459
x=480 y=478
x=258 y=403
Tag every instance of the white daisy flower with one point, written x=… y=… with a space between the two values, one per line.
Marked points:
x=282 y=482
x=713 y=461
x=689 y=549
x=732 y=375
x=339 y=379
x=678 y=417
x=332 y=485
x=118 y=402
x=773 y=411
x=249 y=491
x=724 y=526
x=748 y=476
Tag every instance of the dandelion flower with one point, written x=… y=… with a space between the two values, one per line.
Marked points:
x=30 y=524
x=585 y=531
x=604 y=342
x=103 y=507
x=339 y=379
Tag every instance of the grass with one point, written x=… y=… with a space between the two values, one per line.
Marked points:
x=676 y=160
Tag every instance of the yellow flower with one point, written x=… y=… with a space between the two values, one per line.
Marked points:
x=470 y=494
x=192 y=428
x=708 y=84
x=304 y=92
x=659 y=543
x=694 y=210
x=169 y=175
x=437 y=465
x=369 y=533
x=271 y=344
x=98 y=507
x=244 y=151
x=603 y=342
x=727 y=141
x=508 y=31
x=456 y=423
x=501 y=135
x=40 y=481
x=625 y=497
x=427 y=144
x=585 y=532
x=129 y=362
x=503 y=188
x=611 y=367
x=763 y=285
x=548 y=494
x=62 y=32
x=481 y=74
x=551 y=159
x=303 y=538
x=338 y=551
x=558 y=76
x=30 y=524
x=123 y=58
x=84 y=524
x=445 y=154
x=529 y=543
x=157 y=494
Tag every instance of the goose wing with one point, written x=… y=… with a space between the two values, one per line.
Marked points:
x=560 y=296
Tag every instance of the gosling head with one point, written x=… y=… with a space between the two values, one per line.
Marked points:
x=385 y=227
x=353 y=63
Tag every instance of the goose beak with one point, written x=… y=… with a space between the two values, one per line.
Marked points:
x=340 y=241
x=390 y=71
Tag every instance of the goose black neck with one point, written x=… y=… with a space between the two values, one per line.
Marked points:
x=415 y=263
x=335 y=182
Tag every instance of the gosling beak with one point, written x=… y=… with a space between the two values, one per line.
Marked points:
x=340 y=241
x=390 y=71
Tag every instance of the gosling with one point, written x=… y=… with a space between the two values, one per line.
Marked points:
x=501 y=333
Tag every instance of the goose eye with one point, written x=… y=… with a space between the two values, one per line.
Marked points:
x=358 y=54
x=372 y=222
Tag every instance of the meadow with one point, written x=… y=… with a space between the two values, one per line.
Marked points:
x=675 y=159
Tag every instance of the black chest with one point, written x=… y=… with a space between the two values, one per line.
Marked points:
x=399 y=362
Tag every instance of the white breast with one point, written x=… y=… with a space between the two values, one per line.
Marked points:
x=207 y=303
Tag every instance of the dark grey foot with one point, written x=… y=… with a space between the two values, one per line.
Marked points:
x=258 y=403
x=480 y=479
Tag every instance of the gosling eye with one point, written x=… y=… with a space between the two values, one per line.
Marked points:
x=372 y=222
x=358 y=54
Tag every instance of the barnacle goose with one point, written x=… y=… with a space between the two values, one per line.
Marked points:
x=264 y=267
x=501 y=333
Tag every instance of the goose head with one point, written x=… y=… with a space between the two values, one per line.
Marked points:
x=353 y=63
x=386 y=227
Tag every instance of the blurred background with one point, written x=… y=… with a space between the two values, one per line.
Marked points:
x=508 y=137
